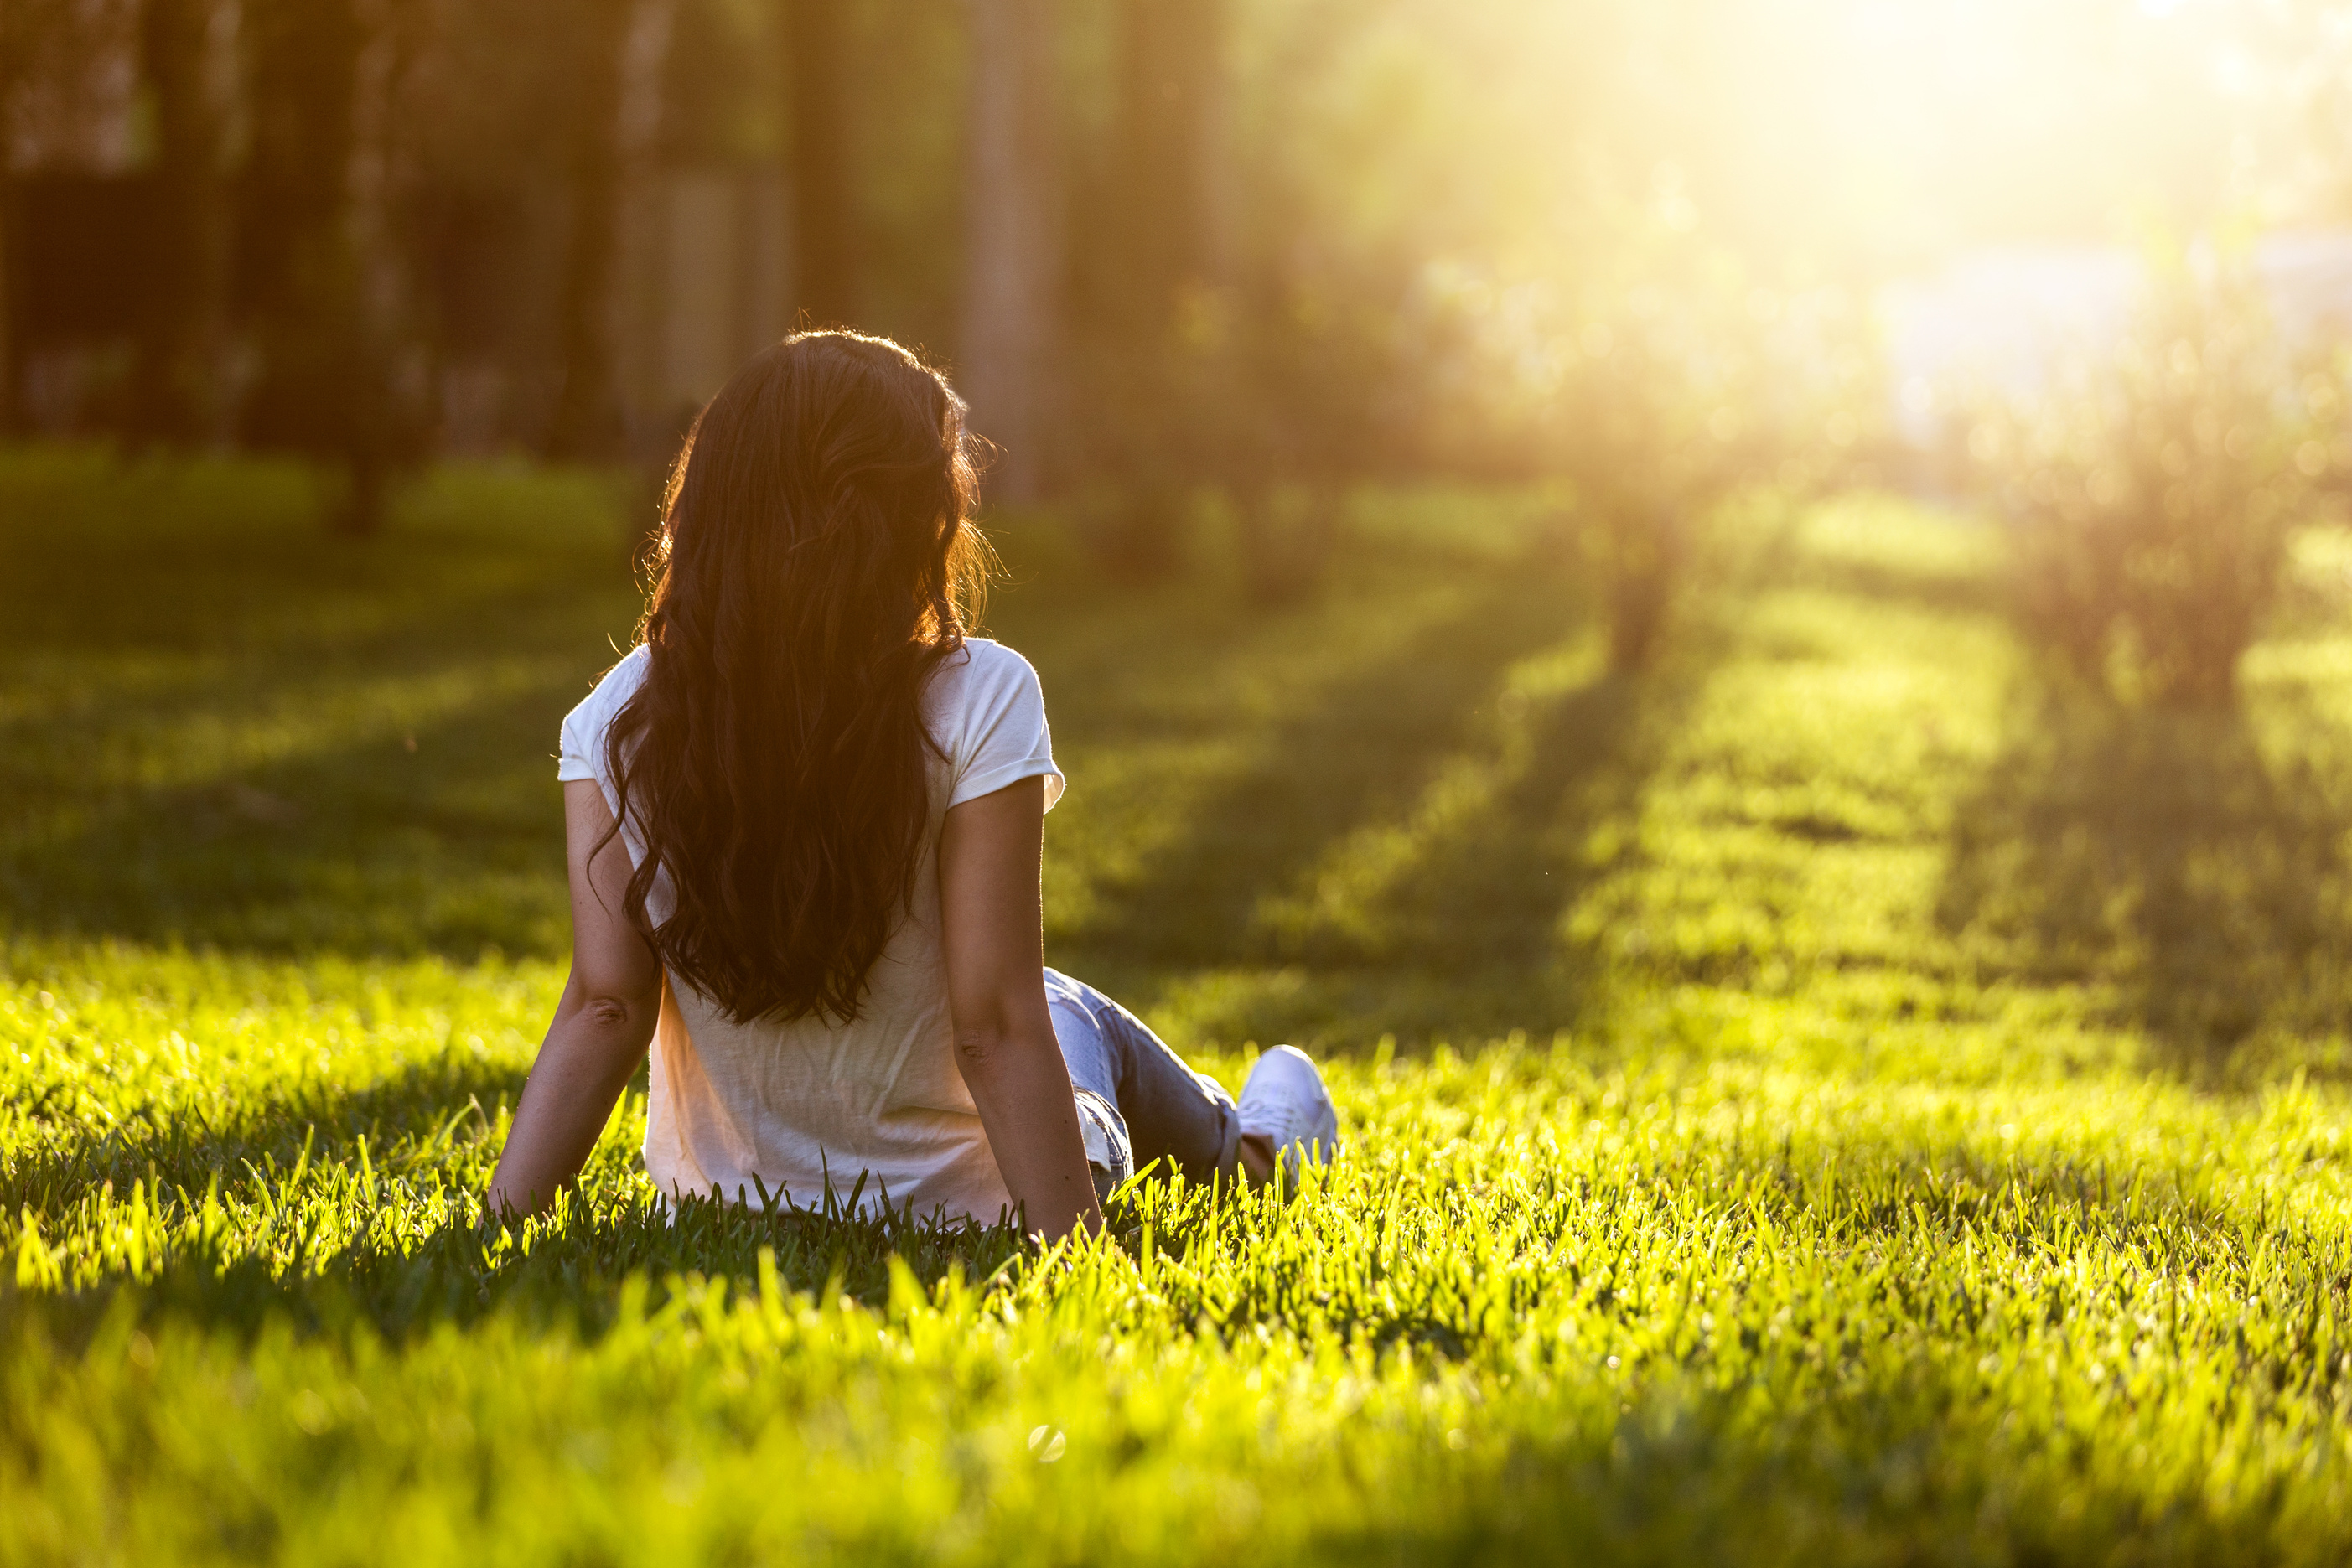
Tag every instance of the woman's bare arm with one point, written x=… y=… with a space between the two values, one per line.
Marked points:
x=603 y=1023
x=990 y=920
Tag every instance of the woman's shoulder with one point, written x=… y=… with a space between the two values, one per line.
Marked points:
x=612 y=689
x=619 y=683
x=975 y=687
x=988 y=714
x=981 y=667
x=988 y=658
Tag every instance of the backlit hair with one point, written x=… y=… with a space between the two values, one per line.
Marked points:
x=816 y=563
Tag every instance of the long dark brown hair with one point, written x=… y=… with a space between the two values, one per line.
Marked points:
x=816 y=563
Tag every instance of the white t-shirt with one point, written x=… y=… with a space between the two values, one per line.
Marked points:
x=801 y=1104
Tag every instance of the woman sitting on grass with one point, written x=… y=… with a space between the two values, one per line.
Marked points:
x=805 y=819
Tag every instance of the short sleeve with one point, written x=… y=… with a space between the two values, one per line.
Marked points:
x=575 y=760
x=584 y=727
x=1004 y=737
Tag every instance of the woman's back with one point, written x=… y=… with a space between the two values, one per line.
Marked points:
x=789 y=1106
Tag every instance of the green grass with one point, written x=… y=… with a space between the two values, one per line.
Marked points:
x=1831 y=1101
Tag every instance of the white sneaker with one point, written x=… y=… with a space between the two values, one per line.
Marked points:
x=1285 y=1100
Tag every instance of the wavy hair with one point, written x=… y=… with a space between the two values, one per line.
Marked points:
x=816 y=563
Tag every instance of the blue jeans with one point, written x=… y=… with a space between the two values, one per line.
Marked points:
x=1137 y=1100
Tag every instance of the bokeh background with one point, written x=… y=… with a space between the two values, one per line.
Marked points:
x=1410 y=418
x=1165 y=246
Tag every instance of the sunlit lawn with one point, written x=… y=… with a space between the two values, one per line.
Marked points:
x=1830 y=1099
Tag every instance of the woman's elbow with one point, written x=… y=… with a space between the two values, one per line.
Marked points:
x=980 y=1048
x=622 y=1019
x=610 y=1013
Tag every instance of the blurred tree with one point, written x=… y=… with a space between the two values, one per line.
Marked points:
x=2150 y=495
x=1309 y=361
x=303 y=77
x=910 y=155
x=324 y=77
x=38 y=49
x=824 y=228
x=492 y=120
x=1316 y=242
x=1012 y=247
x=587 y=425
x=15 y=26
x=1657 y=388
x=1151 y=355
x=1171 y=68
x=178 y=392
x=719 y=95
x=1659 y=420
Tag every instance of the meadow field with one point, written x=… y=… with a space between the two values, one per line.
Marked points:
x=1836 y=1099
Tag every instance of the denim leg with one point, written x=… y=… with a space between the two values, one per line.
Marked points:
x=1170 y=1113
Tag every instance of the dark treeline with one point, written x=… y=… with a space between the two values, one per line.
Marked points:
x=370 y=230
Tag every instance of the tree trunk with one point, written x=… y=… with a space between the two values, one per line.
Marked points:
x=176 y=392
x=1288 y=535
x=7 y=295
x=388 y=430
x=1152 y=396
x=327 y=82
x=1643 y=569
x=825 y=237
x=1011 y=238
x=19 y=36
x=1169 y=67
x=587 y=425
x=304 y=75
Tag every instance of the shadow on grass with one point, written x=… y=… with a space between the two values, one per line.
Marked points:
x=409 y=1121
x=236 y=554
x=234 y=731
x=1448 y=920
x=573 y=1270
x=287 y=1173
x=1910 y=1461
x=1956 y=592
x=1893 y=1193
x=377 y=836
x=2158 y=855
x=1487 y=891
x=1344 y=752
